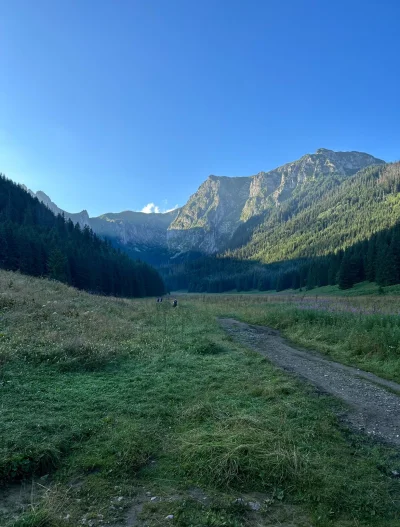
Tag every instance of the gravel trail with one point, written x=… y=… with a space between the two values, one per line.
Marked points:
x=374 y=408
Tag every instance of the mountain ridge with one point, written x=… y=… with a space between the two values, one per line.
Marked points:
x=222 y=208
x=218 y=207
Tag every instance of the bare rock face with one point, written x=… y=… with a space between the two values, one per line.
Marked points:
x=211 y=216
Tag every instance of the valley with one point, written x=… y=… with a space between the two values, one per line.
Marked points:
x=328 y=218
x=119 y=410
x=199 y=264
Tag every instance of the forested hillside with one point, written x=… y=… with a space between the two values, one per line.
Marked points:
x=327 y=215
x=337 y=230
x=35 y=241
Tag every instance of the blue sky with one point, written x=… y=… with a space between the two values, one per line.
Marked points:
x=112 y=105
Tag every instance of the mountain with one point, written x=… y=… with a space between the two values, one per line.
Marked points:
x=303 y=224
x=222 y=205
x=135 y=229
x=334 y=230
x=135 y=232
x=210 y=217
x=326 y=217
x=225 y=212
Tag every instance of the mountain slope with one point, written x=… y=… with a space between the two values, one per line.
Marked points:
x=211 y=215
x=79 y=217
x=314 y=224
x=135 y=229
x=334 y=231
x=35 y=241
x=223 y=205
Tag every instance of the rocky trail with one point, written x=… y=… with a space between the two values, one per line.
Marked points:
x=374 y=403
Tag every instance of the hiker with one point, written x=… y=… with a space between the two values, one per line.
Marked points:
x=175 y=303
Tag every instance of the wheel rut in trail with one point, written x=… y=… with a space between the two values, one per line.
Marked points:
x=374 y=408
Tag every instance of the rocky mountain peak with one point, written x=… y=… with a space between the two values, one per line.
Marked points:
x=325 y=151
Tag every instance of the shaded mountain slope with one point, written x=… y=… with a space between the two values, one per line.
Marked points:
x=135 y=229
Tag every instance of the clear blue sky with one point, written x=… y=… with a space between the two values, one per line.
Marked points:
x=112 y=104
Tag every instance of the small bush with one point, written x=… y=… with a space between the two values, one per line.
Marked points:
x=20 y=466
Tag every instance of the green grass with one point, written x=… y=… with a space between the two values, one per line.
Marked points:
x=360 y=289
x=104 y=400
x=361 y=331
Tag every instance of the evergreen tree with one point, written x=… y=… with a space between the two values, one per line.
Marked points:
x=333 y=269
x=58 y=265
x=370 y=267
x=312 y=277
x=347 y=272
x=386 y=265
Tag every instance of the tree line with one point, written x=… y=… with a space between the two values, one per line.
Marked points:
x=35 y=241
x=376 y=260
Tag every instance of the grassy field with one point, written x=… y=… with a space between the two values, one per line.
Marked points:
x=360 y=331
x=107 y=403
x=360 y=289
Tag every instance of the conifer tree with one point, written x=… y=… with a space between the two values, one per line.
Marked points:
x=346 y=277
x=57 y=265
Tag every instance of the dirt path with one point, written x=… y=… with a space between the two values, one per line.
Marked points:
x=375 y=409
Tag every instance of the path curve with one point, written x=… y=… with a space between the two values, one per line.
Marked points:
x=374 y=408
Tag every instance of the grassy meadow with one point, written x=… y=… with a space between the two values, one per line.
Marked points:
x=359 y=289
x=359 y=331
x=106 y=403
